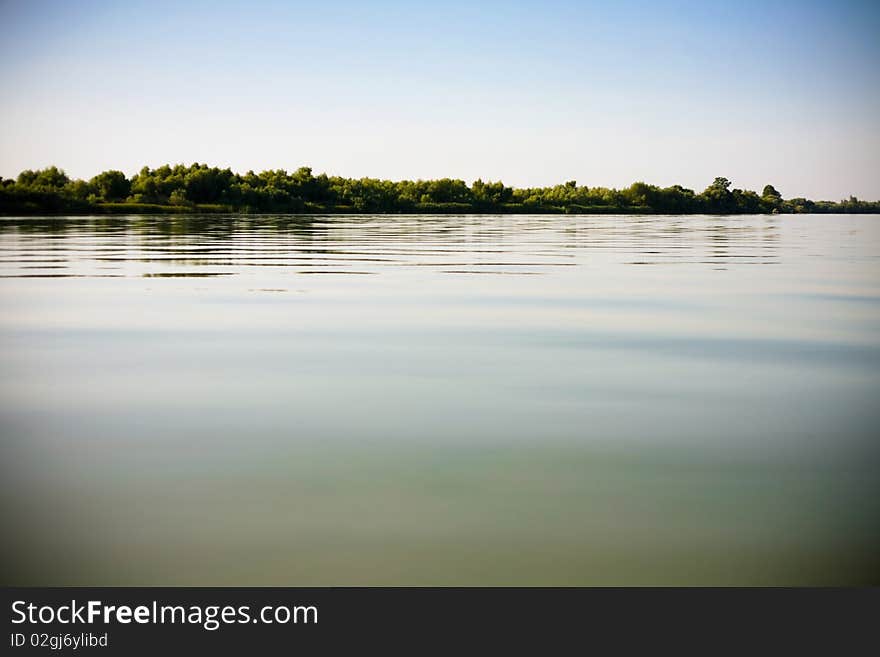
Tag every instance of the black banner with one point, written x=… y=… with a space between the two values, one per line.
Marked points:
x=241 y=620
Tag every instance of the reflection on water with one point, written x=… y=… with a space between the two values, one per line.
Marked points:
x=454 y=400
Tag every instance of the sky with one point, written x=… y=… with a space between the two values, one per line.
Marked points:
x=531 y=93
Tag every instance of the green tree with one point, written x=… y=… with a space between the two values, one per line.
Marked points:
x=770 y=192
x=718 y=197
x=48 y=178
x=111 y=185
x=178 y=197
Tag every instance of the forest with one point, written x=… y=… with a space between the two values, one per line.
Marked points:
x=199 y=188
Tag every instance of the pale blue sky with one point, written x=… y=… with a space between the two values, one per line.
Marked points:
x=532 y=93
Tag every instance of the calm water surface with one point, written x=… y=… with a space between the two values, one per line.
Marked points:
x=440 y=400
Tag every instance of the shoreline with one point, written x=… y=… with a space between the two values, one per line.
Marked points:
x=141 y=209
x=200 y=189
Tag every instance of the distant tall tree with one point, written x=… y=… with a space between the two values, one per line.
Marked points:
x=771 y=200
x=720 y=183
x=770 y=192
x=111 y=185
x=718 y=197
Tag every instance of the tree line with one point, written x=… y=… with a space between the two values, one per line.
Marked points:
x=200 y=188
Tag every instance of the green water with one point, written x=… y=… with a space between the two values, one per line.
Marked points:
x=440 y=400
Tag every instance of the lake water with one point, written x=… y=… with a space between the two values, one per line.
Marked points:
x=440 y=400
